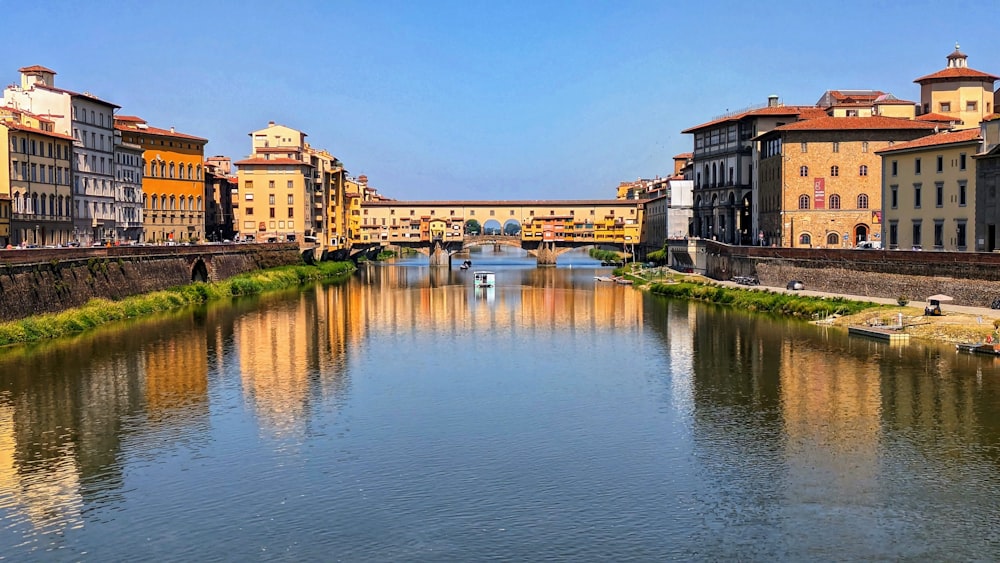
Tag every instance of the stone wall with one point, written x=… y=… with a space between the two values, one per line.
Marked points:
x=47 y=281
x=971 y=278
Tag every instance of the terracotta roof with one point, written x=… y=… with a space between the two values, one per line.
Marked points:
x=78 y=94
x=991 y=117
x=957 y=73
x=769 y=110
x=889 y=99
x=13 y=109
x=945 y=138
x=35 y=68
x=684 y=155
x=21 y=127
x=854 y=123
x=937 y=117
x=148 y=130
x=272 y=161
x=505 y=203
x=130 y=118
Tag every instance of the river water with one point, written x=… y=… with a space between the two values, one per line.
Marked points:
x=405 y=416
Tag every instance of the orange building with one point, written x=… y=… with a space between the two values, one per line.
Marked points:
x=174 y=191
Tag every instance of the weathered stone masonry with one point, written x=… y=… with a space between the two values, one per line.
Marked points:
x=47 y=281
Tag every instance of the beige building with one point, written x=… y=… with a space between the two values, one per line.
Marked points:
x=963 y=94
x=820 y=179
x=928 y=192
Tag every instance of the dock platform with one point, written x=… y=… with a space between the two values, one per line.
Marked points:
x=888 y=335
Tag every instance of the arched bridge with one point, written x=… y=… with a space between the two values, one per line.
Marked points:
x=544 y=229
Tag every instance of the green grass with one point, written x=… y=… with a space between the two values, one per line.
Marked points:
x=97 y=312
x=763 y=300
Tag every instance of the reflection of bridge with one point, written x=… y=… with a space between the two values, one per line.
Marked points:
x=545 y=229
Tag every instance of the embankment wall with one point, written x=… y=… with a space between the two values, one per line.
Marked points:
x=52 y=280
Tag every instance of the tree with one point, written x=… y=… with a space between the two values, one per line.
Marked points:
x=511 y=229
x=472 y=227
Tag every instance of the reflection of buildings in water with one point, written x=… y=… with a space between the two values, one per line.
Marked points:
x=291 y=356
x=41 y=494
x=397 y=301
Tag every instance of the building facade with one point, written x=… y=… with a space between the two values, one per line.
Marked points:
x=928 y=193
x=963 y=94
x=220 y=184
x=128 y=192
x=987 y=183
x=820 y=179
x=35 y=179
x=172 y=180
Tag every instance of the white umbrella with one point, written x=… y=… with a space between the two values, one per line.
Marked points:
x=940 y=297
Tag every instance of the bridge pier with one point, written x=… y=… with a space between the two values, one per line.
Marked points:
x=546 y=255
x=439 y=256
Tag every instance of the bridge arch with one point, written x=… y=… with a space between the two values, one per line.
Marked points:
x=492 y=227
x=511 y=227
x=199 y=271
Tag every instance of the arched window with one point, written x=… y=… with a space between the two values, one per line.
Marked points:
x=180 y=171
x=163 y=202
x=172 y=170
x=190 y=170
x=835 y=201
x=863 y=171
x=832 y=239
x=199 y=203
x=803 y=171
x=805 y=239
x=198 y=168
x=863 y=201
x=163 y=169
x=173 y=203
x=152 y=169
x=145 y=202
x=835 y=171
x=803 y=202
x=191 y=203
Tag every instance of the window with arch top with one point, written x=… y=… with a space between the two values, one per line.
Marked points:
x=803 y=202
x=863 y=201
x=834 y=201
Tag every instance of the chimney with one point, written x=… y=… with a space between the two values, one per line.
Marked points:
x=270 y=124
x=172 y=129
x=772 y=101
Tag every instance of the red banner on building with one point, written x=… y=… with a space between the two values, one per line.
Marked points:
x=876 y=217
x=819 y=193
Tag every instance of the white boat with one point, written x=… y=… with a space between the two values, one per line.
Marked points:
x=485 y=279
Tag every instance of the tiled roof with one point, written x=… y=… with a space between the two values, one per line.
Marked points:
x=77 y=94
x=769 y=110
x=21 y=127
x=271 y=161
x=937 y=117
x=35 y=68
x=957 y=73
x=148 y=130
x=130 y=118
x=991 y=117
x=945 y=138
x=854 y=124
x=13 y=109
x=684 y=155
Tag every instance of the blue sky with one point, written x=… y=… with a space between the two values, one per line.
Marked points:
x=484 y=100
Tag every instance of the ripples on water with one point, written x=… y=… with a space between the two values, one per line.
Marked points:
x=405 y=416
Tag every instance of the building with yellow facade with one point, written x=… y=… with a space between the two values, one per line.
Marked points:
x=963 y=94
x=820 y=179
x=928 y=192
x=36 y=180
x=172 y=183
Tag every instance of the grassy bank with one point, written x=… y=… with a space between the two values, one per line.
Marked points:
x=762 y=300
x=98 y=312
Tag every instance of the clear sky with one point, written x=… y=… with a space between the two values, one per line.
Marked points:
x=537 y=99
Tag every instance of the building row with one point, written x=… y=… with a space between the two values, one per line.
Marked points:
x=854 y=167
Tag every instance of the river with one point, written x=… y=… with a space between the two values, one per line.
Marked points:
x=405 y=416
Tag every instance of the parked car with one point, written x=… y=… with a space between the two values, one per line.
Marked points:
x=869 y=245
x=795 y=285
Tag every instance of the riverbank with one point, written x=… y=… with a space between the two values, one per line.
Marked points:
x=98 y=312
x=957 y=324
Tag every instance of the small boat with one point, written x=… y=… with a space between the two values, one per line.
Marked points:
x=465 y=265
x=603 y=278
x=484 y=278
x=981 y=348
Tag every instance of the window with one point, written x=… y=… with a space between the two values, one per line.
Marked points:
x=805 y=147
x=939 y=194
x=970 y=105
x=270 y=199
x=832 y=239
x=291 y=212
x=895 y=167
x=803 y=202
x=916 y=166
x=945 y=106
x=863 y=170
x=248 y=185
x=961 y=161
x=803 y=171
x=916 y=196
x=938 y=233
x=291 y=199
x=836 y=146
x=893 y=234
x=834 y=201
x=805 y=239
x=270 y=184
x=271 y=213
x=960 y=234
x=864 y=146
x=940 y=163
x=961 y=194
x=835 y=171
x=289 y=185
x=916 y=233
x=249 y=211
x=863 y=201
x=248 y=197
